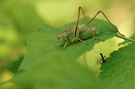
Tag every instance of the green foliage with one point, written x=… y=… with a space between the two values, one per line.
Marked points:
x=48 y=65
x=18 y=18
x=44 y=40
x=59 y=72
x=118 y=72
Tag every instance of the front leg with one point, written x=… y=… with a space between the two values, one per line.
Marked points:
x=65 y=44
x=76 y=39
x=81 y=40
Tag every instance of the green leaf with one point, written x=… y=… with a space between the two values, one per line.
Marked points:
x=119 y=71
x=59 y=72
x=47 y=62
x=44 y=40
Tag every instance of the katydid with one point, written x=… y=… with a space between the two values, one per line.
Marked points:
x=74 y=34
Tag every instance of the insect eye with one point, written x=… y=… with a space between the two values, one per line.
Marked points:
x=60 y=38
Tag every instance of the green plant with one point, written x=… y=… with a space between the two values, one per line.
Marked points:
x=47 y=65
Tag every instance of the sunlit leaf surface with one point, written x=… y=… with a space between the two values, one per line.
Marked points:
x=119 y=71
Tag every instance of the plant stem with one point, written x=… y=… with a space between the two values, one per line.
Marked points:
x=122 y=37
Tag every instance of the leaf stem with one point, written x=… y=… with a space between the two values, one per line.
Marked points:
x=122 y=37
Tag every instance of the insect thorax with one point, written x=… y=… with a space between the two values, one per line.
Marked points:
x=83 y=30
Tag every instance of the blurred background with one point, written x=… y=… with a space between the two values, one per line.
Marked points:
x=19 y=18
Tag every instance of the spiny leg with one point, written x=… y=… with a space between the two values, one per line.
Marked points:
x=80 y=8
x=76 y=28
x=77 y=23
x=107 y=20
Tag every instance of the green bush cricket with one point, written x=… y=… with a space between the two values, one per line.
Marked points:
x=74 y=34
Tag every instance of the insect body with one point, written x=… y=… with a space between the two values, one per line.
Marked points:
x=77 y=32
x=68 y=36
x=102 y=60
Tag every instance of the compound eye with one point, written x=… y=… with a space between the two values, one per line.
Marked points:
x=60 y=39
